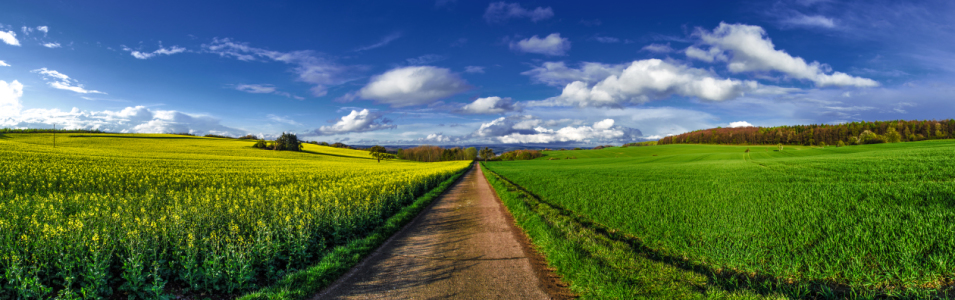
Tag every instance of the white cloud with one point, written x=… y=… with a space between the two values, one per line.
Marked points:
x=740 y=124
x=3 y=64
x=711 y=55
x=26 y=30
x=752 y=51
x=61 y=81
x=646 y=80
x=283 y=119
x=310 y=67
x=490 y=105
x=52 y=45
x=436 y=138
x=558 y=74
x=9 y=37
x=384 y=41
x=414 y=85
x=552 y=45
x=500 y=12
x=799 y=19
x=160 y=51
x=137 y=119
x=426 y=59
x=658 y=48
x=44 y=29
x=356 y=121
x=10 y=94
x=607 y=39
x=264 y=89
x=527 y=130
x=256 y=88
x=474 y=69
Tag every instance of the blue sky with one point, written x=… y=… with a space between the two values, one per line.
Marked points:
x=471 y=72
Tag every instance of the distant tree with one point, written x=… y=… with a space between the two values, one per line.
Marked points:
x=261 y=144
x=288 y=142
x=892 y=136
x=779 y=147
x=486 y=153
x=379 y=152
x=470 y=153
x=339 y=145
x=840 y=144
x=248 y=137
x=869 y=137
x=822 y=144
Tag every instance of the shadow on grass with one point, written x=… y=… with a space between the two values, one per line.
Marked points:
x=730 y=280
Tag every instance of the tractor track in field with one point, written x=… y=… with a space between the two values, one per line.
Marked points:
x=464 y=246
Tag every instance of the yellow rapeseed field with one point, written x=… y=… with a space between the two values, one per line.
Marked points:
x=106 y=214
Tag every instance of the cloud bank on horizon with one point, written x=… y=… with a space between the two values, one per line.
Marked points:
x=492 y=72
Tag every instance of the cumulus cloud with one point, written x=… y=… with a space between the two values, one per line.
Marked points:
x=4 y=64
x=52 y=45
x=9 y=37
x=384 y=41
x=44 y=29
x=356 y=121
x=528 y=130
x=711 y=55
x=137 y=119
x=551 y=45
x=416 y=85
x=747 y=49
x=474 y=69
x=558 y=74
x=310 y=67
x=437 y=138
x=264 y=89
x=740 y=124
x=646 y=80
x=10 y=94
x=160 y=51
x=658 y=48
x=500 y=12
x=59 y=80
x=490 y=105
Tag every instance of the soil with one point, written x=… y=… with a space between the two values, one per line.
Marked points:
x=464 y=246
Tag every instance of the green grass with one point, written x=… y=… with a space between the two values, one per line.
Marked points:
x=859 y=221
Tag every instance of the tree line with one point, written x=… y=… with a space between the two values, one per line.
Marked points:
x=821 y=134
x=428 y=153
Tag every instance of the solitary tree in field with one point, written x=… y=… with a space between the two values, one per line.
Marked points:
x=486 y=153
x=378 y=152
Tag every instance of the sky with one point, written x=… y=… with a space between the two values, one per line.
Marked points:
x=452 y=72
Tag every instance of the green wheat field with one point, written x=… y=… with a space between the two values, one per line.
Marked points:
x=709 y=221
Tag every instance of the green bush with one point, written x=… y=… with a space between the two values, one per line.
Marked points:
x=260 y=144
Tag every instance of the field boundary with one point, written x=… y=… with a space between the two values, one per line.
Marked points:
x=726 y=280
x=307 y=282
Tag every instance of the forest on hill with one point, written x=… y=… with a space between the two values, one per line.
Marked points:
x=822 y=134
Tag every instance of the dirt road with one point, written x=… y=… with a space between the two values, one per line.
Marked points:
x=465 y=246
